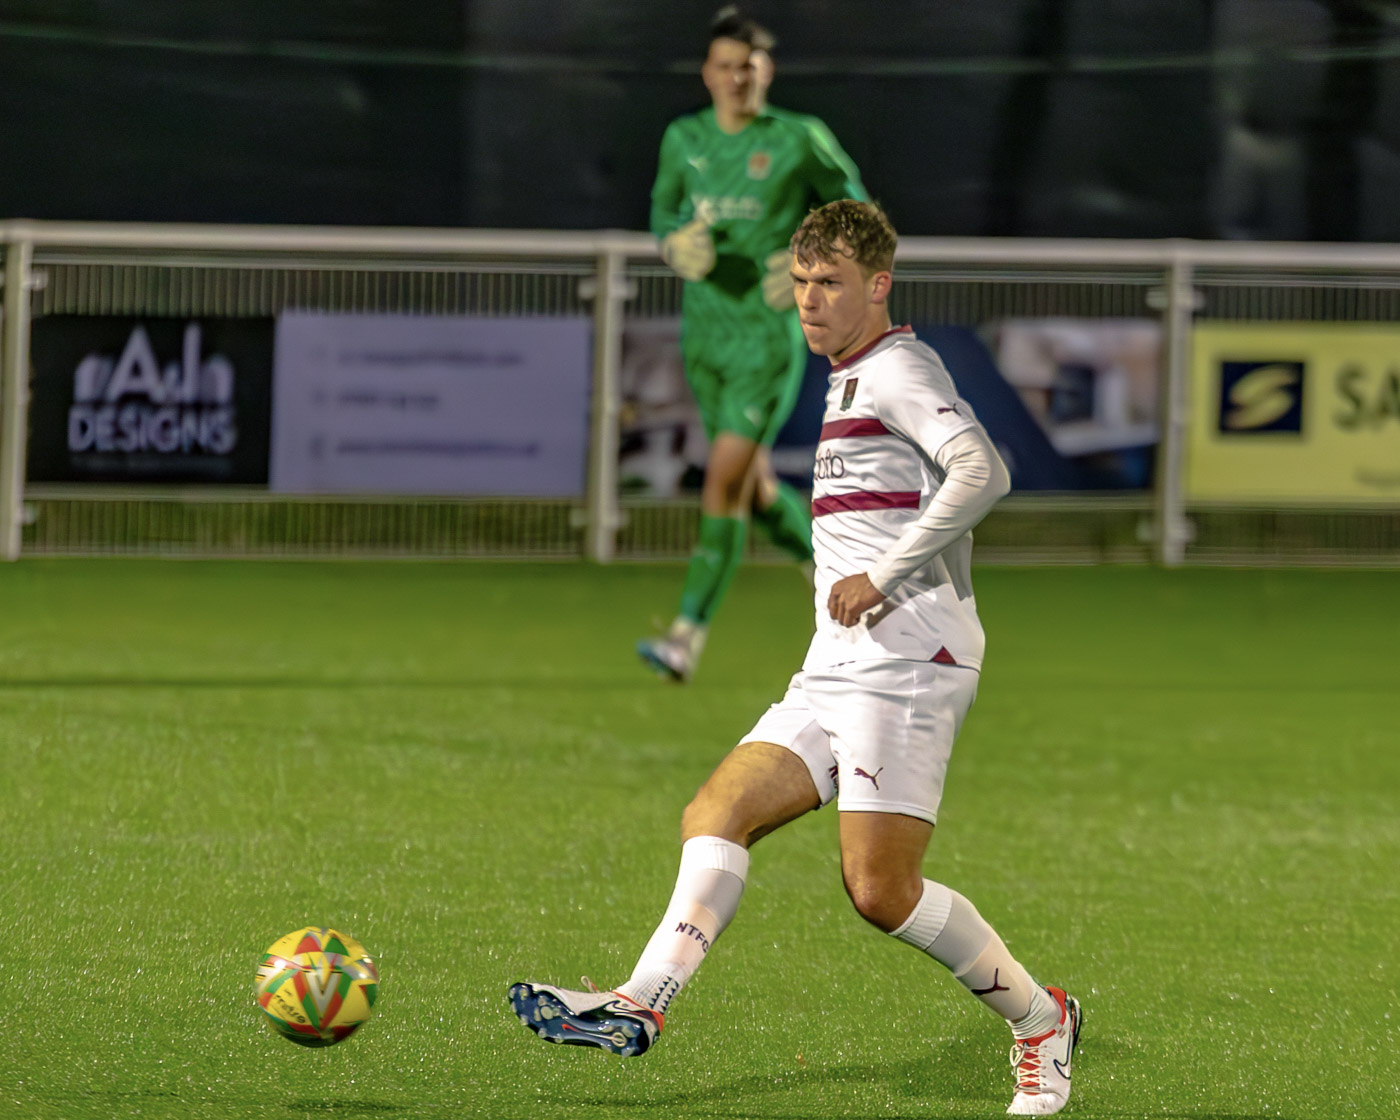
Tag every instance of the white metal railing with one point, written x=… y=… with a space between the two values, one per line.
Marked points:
x=1174 y=265
x=256 y=246
x=14 y=393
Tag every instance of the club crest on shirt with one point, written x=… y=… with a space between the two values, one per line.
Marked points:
x=850 y=394
x=760 y=163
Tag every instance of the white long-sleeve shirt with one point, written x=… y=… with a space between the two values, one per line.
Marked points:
x=903 y=472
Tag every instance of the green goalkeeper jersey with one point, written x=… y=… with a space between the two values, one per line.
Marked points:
x=743 y=360
x=752 y=188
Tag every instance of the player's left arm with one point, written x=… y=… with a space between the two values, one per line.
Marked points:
x=974 y=480
x=833 y=173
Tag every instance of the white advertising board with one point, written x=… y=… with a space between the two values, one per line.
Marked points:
x=408 y=404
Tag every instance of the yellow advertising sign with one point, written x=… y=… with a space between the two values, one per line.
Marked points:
x=1303 y=413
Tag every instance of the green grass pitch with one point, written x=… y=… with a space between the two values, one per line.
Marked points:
x=1178 y=795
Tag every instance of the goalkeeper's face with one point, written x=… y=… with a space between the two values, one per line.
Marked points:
x=728 y=75
x=841 y=308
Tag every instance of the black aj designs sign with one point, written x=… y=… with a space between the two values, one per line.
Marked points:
x=150 y=400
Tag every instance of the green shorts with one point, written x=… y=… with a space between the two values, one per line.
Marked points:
x=744 y=363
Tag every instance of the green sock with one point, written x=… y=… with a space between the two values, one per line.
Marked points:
x=789 y=523
x=712 y=565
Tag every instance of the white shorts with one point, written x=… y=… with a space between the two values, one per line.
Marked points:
x=879 y=733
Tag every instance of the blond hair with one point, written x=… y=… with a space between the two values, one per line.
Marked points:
x=847 y=228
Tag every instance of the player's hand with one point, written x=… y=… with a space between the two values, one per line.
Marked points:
x=852 y=597
x=690 y=251
x=777 y=281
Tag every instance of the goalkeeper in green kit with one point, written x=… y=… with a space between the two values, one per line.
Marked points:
x=733 y=182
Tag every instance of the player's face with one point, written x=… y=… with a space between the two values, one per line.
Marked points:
x=728 y=75
x=841 y=309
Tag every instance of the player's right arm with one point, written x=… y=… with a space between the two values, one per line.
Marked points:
x=684 y=239
x=668 y=191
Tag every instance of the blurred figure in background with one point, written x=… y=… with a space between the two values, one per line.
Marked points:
x=733 y=182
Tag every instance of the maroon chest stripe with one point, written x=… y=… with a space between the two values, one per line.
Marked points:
x=860 y=426
x=865 y=499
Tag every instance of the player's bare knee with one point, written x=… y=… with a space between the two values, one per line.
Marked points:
x=883 y=902
x=695 y=818
x=757 y=788
x=711 y=813
x=725 y=496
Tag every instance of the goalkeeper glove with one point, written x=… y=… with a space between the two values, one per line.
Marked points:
x=777 y=281
x=689 y=250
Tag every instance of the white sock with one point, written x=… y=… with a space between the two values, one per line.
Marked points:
x=947 y=927
x=708 y=888
x=691 y=633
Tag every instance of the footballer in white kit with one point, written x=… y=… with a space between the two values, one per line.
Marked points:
x=903 y=473
x=877 y=705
